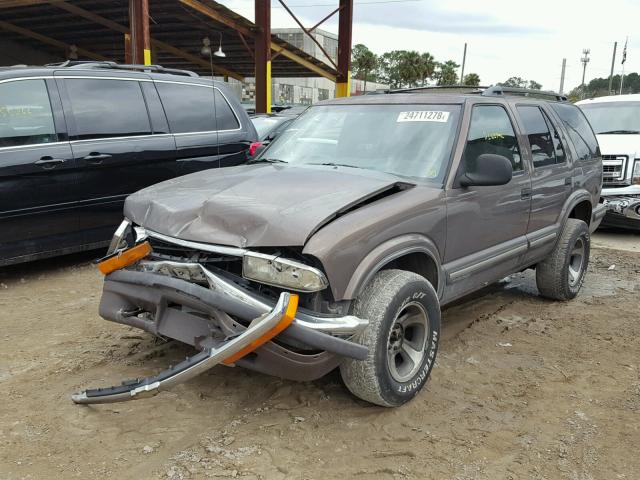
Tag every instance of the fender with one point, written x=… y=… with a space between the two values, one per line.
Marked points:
x=390 y=250
x=574 y=199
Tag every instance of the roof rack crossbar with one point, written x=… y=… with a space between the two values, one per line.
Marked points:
x=499 y=91
x=122 y=66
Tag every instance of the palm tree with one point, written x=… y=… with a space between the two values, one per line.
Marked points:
x=428 y=66
x=364 y=62
x=472 y=80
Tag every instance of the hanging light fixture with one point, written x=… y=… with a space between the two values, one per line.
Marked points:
x=219 y=52
x=206 y=47
x=73 y=52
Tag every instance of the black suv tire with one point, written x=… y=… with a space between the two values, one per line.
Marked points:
x=561 y=275
x=402 y=336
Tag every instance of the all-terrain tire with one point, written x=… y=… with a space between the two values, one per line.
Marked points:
x=385 y=301
x=555 y=275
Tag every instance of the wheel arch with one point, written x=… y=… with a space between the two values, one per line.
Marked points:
x=415 y=253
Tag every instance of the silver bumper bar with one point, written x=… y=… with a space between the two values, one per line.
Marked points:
x=627 y=206
x=235 y=296
x=133 y=390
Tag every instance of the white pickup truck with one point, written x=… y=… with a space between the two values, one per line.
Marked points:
x=616 y=122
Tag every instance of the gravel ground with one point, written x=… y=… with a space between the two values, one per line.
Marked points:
x=523 y=388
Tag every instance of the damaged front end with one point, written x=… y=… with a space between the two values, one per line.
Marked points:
x=255 y=309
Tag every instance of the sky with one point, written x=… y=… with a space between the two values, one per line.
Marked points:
x=504 y=39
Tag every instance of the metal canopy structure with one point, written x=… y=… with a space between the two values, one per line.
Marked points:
x=103 y=30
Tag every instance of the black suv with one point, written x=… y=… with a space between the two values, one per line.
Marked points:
x=77 y=138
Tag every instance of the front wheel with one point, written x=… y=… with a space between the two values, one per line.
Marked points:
x=402 y=337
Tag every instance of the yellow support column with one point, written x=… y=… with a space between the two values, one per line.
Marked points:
x=343 y=89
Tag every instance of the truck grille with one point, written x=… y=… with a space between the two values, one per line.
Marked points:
x=614 y=168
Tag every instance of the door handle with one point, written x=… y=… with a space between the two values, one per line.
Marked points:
x=525 y=193
x=96 y=158
x=49 y=162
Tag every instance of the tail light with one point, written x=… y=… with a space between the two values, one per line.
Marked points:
x=253 y=147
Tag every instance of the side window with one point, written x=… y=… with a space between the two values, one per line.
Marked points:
x=491 y=131
x=561 y=155
x=190 y=108
x=25 y=114
x=543 y=148
x=578 y=129
x=107 y=108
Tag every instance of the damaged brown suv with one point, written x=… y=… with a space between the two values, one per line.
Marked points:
x=337 y=246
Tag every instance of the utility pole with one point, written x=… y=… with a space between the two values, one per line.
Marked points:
x=613 y=62
x=564 y=67
x=464 y=59
x=585 y=59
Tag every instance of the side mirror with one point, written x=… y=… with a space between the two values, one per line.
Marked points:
x=491 y=170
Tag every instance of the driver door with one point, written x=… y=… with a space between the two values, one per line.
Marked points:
x=487 y=226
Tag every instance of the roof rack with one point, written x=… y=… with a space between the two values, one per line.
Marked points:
x=500 y=91
x=122 y=66
x=440 y=88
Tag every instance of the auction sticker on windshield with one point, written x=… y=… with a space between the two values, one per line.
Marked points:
x=423 y=116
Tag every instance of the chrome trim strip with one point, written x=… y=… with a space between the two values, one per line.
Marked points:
x=233 y=251
x=118 y=236
x=33 y=145
x=128 y=137
x=188 y=369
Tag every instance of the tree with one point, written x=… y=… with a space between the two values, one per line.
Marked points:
x=515 y=82
x=364 y=63
x=427 y=67
x=472 y=80
x=519 y=82
x=447 y=73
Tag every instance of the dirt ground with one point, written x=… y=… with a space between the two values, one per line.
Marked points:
x=523 y=389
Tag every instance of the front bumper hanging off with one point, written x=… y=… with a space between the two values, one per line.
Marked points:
x=161 y=297
x=259 y=332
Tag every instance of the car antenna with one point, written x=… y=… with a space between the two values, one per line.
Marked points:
x=215 y=111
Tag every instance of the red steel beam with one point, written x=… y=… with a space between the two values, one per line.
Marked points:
x=263 y=56
x=345 y=22
x=139 y=27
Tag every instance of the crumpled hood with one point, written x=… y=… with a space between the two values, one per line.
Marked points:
x=254 y=205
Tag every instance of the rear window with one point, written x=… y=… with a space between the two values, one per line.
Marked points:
x=107 y=108
x=190 y=108
x=579 y=130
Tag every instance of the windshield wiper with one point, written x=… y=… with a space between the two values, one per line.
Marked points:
x=619 y=132
x=331 y=164
x=266 y=160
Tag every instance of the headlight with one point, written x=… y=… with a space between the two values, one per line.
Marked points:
x=282 y=272
x=635 y=176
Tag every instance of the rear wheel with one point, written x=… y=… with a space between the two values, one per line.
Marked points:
x=561 y=275
x=402 y=338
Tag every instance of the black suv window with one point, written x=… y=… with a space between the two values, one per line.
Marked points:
x=190 y=108
x=107 y=108
x=578 y=129
x=545 y=146
x=25 y=114
x=491 y=131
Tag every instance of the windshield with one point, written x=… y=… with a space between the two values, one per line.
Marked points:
x=406 y=140
x=613 y=117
